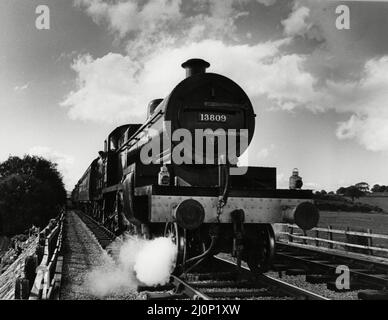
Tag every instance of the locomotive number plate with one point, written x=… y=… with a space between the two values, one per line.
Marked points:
x=212 y=117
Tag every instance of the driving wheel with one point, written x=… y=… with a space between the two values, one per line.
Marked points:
x=261 y=253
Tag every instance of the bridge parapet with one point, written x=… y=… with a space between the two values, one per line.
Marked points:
x=41 y=276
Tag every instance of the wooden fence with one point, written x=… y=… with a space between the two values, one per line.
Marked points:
x=43 y=270
x=355 y=241
x=16 y=268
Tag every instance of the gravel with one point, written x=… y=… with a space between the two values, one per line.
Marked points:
x=300 y=281
x=320 y=289
x=82 y=254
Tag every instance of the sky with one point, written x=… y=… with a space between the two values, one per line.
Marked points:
x=319 y=91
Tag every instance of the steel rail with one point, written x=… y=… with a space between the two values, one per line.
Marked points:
x=285 y=287
x=263 y=281
x=184 y=287
x=340 y=255
x=97 y=224
x=329 y=261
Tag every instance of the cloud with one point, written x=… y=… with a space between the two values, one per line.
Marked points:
x=328 y=74
x=108 y=90
x=262 y=154
x=267 y=2
x=364 y=99
x=116 y=88
x=310 y=185
x=21 y=88
x=65 y=163
x=162 y=34
x=119 y=86
x=296 y=23
x=130 y=16
x=282 y=181
x=349 y=71
x=367 y=101
x=145 y=28
x=66 y=56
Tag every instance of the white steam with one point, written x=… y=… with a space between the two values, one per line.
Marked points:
x=155 y=261
x=139 y=262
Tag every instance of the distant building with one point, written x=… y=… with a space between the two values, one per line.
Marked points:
x=296 y=182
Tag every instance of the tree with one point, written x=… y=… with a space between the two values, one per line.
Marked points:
x=354 y=192
x=323 y=192
x=362 y=186
x=378 y=188
x=31 y=192
x=341 y=191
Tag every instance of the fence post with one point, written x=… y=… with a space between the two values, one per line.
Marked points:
x=330 y=236
x=30 y=265
x=22 y=288
x=370 y=242
x=290 y=231
x=347 y=239
x=305 y=234
x=316 y=236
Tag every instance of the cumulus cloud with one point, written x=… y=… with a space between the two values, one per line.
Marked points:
x=159 y=35
x=107 y=90
x=296 y=23
x=130 y=15
x=364 y=99
x=367 y=100
x=163 y=23
x=65 y=162
x=116 y=88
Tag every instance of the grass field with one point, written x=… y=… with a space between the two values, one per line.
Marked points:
x=355 y=220
x=381 y=202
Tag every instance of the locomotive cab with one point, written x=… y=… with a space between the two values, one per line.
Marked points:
x=113 y=171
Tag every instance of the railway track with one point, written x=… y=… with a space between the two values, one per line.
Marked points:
x=226 y=281
x=102 y=234
x=220 y=280
x=320 y=267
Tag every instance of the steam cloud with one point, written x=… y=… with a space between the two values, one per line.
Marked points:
x=139 y=262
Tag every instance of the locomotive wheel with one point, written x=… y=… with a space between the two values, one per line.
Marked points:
x=178 y=237
x=261 y=254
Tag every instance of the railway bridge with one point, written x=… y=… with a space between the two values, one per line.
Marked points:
x=71 y=248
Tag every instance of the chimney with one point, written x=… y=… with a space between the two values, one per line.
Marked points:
x=195 y=66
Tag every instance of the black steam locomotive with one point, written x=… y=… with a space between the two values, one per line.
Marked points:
x=195 y=199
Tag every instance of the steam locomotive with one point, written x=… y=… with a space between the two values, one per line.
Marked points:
x=187 y=192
